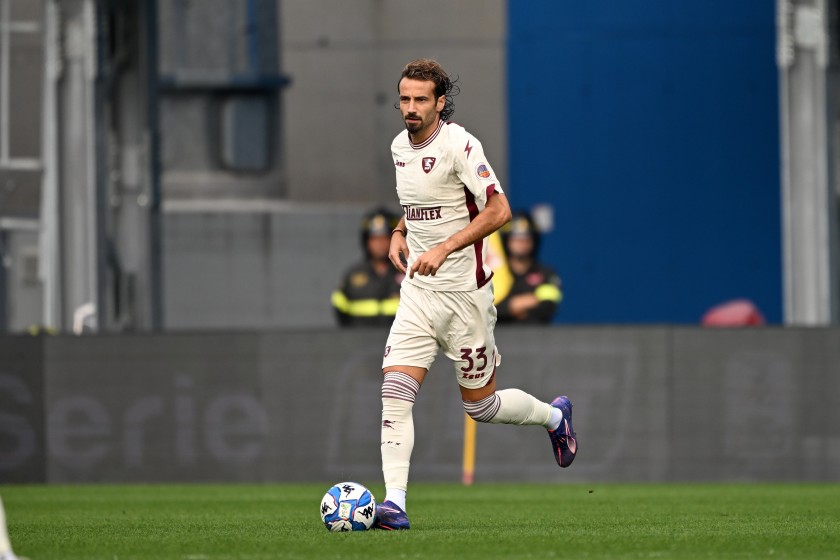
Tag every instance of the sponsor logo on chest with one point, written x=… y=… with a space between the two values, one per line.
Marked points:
x=422 y=214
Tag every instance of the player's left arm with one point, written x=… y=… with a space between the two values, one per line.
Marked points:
x=495 y=214
x=398 y=253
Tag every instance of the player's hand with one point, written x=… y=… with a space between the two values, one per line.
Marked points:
x=398 y=253
x=429 y=262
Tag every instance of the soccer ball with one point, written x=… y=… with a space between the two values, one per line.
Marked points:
x=348 y=506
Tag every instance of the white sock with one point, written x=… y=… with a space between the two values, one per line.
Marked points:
x=555 y=420
x=396 y=496
x=518 y=407
x=398 y=393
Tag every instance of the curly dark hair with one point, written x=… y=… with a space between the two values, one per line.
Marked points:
x=429 y=70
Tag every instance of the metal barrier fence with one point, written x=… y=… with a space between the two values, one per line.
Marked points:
x=651 y=404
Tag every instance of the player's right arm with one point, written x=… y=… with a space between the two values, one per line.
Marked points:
x=399 y=246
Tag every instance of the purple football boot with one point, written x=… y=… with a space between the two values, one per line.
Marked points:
x=390 y=517
x=563 y=438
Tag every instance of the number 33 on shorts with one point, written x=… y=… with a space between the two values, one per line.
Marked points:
x=474 y=362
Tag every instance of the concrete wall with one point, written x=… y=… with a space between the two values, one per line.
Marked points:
x=270 y=263
x=330 y=136
x=21 y=68
x=344 y=59
x=256 y=265
x=651 y=404
x=24 y=287
x=20 y=127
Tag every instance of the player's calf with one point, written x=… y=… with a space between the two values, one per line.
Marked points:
x=509 y=406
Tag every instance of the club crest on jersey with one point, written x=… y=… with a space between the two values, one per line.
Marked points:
x=482 y=171
x=428 y=163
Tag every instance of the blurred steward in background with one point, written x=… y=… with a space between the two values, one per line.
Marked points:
x=535 y=290
x=370 y=289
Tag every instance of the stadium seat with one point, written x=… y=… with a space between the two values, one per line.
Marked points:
x=735 y=313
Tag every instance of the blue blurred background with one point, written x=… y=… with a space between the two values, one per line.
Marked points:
x=652 y=129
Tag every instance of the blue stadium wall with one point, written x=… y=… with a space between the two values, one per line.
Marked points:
x=652 y=129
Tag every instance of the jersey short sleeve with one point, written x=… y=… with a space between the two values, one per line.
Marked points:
x=472 y=167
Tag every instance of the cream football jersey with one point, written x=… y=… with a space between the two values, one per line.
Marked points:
x=442 y=184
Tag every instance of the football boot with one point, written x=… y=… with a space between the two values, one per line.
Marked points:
x=390 y=517
x=563 y=440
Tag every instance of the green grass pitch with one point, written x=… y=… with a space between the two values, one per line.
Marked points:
x=485 y=521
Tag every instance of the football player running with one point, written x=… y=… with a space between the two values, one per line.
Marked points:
x=451 y=202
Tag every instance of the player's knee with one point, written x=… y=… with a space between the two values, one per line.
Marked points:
x=483 y=410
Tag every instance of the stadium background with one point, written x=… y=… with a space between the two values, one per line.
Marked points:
x=182 y=183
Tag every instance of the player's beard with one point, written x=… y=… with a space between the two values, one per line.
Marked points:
x=414 y=127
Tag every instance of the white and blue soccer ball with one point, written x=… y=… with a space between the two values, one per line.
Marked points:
x=348 y=506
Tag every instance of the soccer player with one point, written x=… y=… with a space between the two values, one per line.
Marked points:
x=451 y=201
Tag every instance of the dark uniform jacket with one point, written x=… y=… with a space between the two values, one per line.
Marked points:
x=366 y=299
x=538 y=280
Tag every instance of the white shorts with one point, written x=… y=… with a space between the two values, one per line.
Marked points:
x=461 y=323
